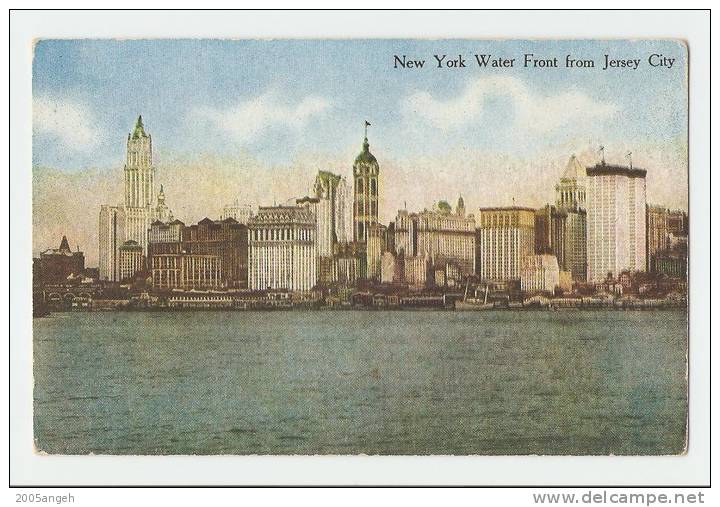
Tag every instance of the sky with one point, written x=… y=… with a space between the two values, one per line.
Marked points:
x=255 y=120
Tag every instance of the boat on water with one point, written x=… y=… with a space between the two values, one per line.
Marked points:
x=474 y=304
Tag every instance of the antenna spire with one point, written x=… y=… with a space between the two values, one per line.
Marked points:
x=629 y=157
x=602 y=154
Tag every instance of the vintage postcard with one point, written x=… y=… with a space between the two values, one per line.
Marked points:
x=360 y=247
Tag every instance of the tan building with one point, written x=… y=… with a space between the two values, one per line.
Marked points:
x=444 y=236
x=282 y=251
x=130 y=259
x=505 y=237
x=186 y=271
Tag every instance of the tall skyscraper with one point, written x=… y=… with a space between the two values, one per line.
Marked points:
x=330 y=190
x=366 y=173
x=506 y=236
x=616 y=220
x=139 y=185
x=112 y=236
x=571 y=196
x=131 y=220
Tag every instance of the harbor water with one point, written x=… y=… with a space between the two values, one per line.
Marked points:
x=361 y=382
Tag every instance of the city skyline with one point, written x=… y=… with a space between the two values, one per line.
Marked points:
x=427 y=154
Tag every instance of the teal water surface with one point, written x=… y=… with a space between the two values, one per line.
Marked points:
x=361 y=382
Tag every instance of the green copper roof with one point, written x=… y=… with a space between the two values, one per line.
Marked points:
x=365 y=155
x=139 y=129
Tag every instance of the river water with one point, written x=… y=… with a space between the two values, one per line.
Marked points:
x=361 y=382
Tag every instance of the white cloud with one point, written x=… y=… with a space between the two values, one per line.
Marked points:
x=532 y=111
x=247 y=120
x=68 y=121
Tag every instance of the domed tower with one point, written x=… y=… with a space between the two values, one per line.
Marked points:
x=162 y=212
x=460 y=208
x=366 y=174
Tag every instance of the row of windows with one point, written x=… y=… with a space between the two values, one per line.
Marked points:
x=360 y=188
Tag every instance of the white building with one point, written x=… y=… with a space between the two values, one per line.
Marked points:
x=112 y=236
x=139 y=185
x=281 y=249
x=616 y=233
x=540 y=273
x=241 y=213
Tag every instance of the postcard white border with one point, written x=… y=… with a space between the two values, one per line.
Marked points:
x=28 y=468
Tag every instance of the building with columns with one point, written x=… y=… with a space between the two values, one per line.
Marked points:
x=505 y=236
x=366 y=191
x=282 y=249
x=130 y=259
x=616 y=220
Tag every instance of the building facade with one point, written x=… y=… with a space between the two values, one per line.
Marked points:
x=282 y=251
x=444 y=236
x=540 y=273
x=616 y=220
x=241 y=213
x=55 y=265
x=225 y=239
x=505 y=237
x=550 y=229
x=330 y=190
x=375 y=247
x=131 y=260
x=139 y=185
x=218 y=246
x=571 y=198
x=186 y=271
x=666 y=235
x=366 y=192
x=111 y=236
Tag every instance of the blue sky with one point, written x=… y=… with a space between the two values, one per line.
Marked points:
x=196 y=96
x=255 y=120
